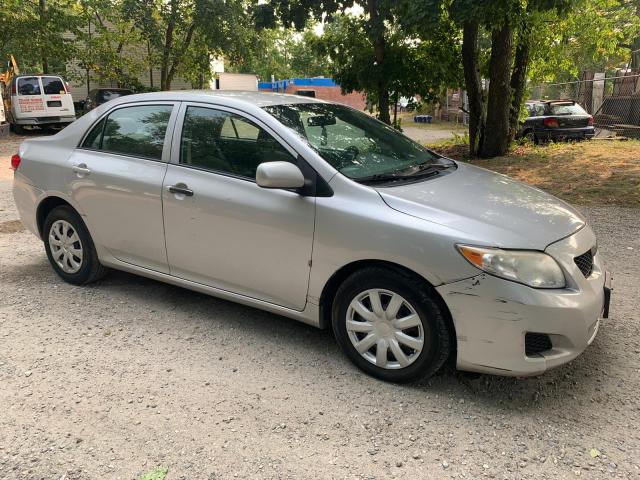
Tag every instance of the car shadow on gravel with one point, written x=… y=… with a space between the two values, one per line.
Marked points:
x=183 y=310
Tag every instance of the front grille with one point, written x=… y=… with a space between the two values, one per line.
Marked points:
x=585 y=263
x=535 y=343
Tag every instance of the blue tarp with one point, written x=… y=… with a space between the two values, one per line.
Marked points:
x=281 y=85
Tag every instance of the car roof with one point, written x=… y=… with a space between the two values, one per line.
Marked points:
x=115 y=89
x=566 y=100
x=260 y=99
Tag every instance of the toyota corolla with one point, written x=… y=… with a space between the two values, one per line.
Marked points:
x=319 y=212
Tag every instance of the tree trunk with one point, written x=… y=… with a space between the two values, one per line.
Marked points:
x=376 y=34
x=180 y=55
x=165 y=81
x=473 y=85
x=43 y=39
x=496 y=138
x=519 y=79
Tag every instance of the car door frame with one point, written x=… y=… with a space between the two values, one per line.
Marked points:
x=106 y=255
x=315 y=185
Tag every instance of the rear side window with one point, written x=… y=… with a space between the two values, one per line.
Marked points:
x=28 y=86
x=53 y=86
x=94 y=138
x=138 y=131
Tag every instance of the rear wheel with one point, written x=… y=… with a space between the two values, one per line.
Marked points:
x=390 y=325
x=69 y=247
x=17 y=129
x=531 y=136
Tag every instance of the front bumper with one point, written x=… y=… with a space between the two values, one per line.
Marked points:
x=492 y=316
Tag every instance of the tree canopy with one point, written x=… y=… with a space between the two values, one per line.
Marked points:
x=494 y=49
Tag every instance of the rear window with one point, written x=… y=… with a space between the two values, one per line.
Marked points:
x=28 y=86
x=53 y=86
x=106 y=95
x=567 y=109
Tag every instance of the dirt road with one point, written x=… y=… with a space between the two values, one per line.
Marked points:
x=116 y=379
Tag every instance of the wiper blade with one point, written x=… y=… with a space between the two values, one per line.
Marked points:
x=380 y=177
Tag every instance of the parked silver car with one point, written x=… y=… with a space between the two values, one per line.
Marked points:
x=321 y=213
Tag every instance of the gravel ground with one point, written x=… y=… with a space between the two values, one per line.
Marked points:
x=118 y=378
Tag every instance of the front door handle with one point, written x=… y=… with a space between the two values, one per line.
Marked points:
x=81 y=169
x=180 y=189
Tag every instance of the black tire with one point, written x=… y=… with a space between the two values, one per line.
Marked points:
x=90 y=267
x=17 y=129
x=438 y=341
x=531 y=136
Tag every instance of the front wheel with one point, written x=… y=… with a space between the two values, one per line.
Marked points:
x=69 y=247
x=390 y=325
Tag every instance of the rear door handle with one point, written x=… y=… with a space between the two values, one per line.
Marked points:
x=180 y=189
x=81 y=169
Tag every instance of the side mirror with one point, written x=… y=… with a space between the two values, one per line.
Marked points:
x=279 y=175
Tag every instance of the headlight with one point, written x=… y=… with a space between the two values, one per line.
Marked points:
x=535 y=269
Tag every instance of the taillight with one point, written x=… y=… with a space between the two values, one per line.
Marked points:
x=13 y=88
x=590 y=121
x=551 y=122
x=15 y=161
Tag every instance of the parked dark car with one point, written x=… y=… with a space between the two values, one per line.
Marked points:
x=556 y=120
x=98 y=96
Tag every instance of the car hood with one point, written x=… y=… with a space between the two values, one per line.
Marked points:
x=490 y=208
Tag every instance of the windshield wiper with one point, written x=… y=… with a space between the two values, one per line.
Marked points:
x=380 y=178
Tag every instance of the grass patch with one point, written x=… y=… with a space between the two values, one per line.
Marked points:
x=159 y=473
x=597 y=172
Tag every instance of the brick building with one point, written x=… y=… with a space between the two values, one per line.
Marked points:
x=322 y=88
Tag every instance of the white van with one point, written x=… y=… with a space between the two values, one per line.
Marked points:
x=38 y=100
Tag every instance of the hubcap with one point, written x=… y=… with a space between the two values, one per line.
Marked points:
x=385 y=329
x=66 y=247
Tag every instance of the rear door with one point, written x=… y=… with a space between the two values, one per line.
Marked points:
x=57 y=99
x=27 y=100
x=116 y=177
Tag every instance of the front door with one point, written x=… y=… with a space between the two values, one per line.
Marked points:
x=224 y=231
x=116 y=179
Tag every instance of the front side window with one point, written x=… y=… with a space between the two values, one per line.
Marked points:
x=354 y=143
x=138 y=131
x=224 y=142
x=53 y=86
x=28 y=86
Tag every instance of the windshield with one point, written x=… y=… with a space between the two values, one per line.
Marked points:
x=567 y=109
x=354 y=143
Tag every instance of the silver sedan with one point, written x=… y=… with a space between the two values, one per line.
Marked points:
x=321 y=213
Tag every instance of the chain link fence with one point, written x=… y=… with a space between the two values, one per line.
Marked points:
x=613 y=101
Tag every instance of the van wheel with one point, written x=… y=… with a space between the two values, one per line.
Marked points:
x=17 y=129
x=390 y=325
x=69 y=247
